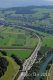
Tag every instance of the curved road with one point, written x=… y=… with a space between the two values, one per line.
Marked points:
x=30 y=61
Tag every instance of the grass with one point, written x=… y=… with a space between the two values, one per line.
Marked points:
x=51 y=73
x=16 y=37
x=48 y=40
x=11 y=70
x=22 y=54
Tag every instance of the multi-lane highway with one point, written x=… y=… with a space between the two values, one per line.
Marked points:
x=30 y=61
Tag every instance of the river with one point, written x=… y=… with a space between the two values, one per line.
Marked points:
x=43 y=67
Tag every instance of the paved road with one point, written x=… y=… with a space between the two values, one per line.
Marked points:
x=30 y=61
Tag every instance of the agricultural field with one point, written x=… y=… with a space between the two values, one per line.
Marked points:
x=21 y=54
x=12 y=37
x=48 y=41
x=20 y=40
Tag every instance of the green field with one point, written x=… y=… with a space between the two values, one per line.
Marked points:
x=21 y=54
x=23 y=41
x=48 y=40
x=47 y=43
x=12 y=37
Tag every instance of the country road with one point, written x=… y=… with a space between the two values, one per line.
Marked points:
x=30 y=61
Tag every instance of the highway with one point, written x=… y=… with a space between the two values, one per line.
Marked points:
x=30 y=61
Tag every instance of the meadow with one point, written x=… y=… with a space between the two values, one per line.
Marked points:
x=12 y=37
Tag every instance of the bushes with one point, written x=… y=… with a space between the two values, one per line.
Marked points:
x=3 y=65
x=18 y=61
x=3 y=52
